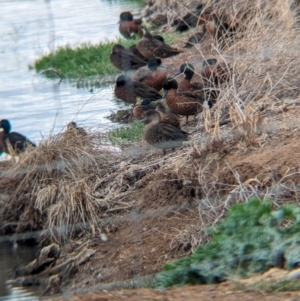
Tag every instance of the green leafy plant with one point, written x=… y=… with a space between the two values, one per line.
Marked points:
x=251 y=239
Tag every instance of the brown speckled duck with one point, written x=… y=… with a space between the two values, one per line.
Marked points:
x=161 y=135
x=214 y=73
x=18 y=142
x=156 y=77
x=167 y=117
x=72 y=127
x=128 y=90
x=182 y=103
x=124 y=59
x=149 y=47
x=139 y=110
x=129 y=27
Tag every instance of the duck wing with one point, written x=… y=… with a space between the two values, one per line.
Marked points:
x=128 y=60
x=145 y=91
x=170 y=133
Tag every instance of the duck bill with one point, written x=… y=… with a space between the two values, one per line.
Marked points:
x=165 y=93
x=144 y=120
x=178 y=73
x=162 y=66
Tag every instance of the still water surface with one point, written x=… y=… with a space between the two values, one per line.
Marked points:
x=35 y=105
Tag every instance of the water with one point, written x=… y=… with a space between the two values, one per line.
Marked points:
x=35 y=105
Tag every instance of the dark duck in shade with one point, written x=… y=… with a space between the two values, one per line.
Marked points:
x=149 y=47
x=161 y=135
x=72 y=127
x=128 y=90
x=18 y=142
x=130 y=27
x=183 y=103
x=155 y=78
x=139 y=110
x=124 y=59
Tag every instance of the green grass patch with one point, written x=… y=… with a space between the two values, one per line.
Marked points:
x=248 y=241
x=128 y=134
x=81 y=61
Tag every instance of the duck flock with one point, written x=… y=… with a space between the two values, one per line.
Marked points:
x=184 y=98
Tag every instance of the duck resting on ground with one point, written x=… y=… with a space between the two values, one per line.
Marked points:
x=166 y=116
x=140 y=110
x=18 y=142
x=161 y=135
x=128 y=90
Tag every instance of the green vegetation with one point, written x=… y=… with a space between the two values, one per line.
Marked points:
x=85 y=59
x=81 y=61
x=127 y=134
x=251 y=239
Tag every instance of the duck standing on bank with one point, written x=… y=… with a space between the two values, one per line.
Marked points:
x=18 y=142
x=183 y=103
x=161 y=135
x=149 y=47
x=129 y=27
x=128 y=90
x=124 y=59
x=155 y=78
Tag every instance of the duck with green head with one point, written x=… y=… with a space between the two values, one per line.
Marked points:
x=154 y=78
x=130 y=27
x=183 y=103
x=18 y=142
x=161 y=135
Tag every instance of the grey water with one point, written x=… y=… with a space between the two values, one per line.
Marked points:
x=37 y=106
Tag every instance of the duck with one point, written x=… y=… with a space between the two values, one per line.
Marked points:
x=139 y=110
x=155 y=78
x=72 y=127
x=149 y=47
x=129 y=90
x=124 y=59
x=167 y=117
x=161 y=135
x=214 y=73
x=191 y=19
x=186 y=85
x=18 y=142
x=195 y=38
x=134 y=50
x=183 y=103
x=129 y=27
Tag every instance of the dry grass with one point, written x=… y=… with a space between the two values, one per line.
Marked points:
x=52 y=187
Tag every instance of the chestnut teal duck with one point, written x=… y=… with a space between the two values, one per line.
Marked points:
x=124 y=59
x=149 y=47
x=166 y=116
x=162 y=135
x=18 y=142
x=214 y=73
x=128 y=90
x=139 y=110
x=183 y=103
x=154 y=78
x=130 y=27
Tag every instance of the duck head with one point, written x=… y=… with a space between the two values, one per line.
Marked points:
x=168 y=84
x=122 y=80
x=187 y=70
x=154 y=63
x=126 y=16
x=159 y=38
x=5 y=125
x=209 y=62
x=151 y=116
x=117 y=48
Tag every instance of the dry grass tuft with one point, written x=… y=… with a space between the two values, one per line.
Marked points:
x=52 y=187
